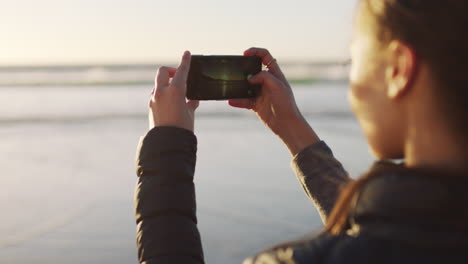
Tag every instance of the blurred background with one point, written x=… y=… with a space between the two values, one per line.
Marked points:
x=75 y=79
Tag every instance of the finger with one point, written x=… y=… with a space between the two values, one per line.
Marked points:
x=180 y=78
x=193 y=105
x=267 y=60
x=242 y=103
x=264 y=54
x=164 y=75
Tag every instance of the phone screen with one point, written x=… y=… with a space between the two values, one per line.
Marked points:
x=222 y=77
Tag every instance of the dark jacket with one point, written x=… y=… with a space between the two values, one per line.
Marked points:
x=400 y=216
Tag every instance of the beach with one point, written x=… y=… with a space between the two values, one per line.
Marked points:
x=68 y=173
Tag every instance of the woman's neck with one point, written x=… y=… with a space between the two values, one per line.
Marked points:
x=431 y=144
x=429 y=138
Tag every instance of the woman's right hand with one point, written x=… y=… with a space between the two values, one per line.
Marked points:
x=276 y=105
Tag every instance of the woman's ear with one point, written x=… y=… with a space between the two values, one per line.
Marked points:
x=401 y=69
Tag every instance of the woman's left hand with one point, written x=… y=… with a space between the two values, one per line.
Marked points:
x=168 y=105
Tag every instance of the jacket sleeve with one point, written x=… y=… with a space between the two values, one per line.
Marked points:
x=165 y=206
x=321 y=175
x=312 y=249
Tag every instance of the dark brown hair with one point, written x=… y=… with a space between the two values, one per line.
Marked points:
x=437 y=32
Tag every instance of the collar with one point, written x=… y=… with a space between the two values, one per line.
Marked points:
x=414 y=205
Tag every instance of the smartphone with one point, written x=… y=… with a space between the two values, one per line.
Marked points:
x=222 y=77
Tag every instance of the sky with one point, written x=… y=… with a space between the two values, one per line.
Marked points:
x=155 y=31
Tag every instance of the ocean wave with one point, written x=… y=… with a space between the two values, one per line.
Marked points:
x=108 y=75
x=144 y=116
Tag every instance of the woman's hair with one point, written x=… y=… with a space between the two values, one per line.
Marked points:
x=437 y=32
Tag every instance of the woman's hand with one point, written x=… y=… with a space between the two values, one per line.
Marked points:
x=168 y=106
x=276 y=105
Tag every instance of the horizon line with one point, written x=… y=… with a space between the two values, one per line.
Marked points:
x=287 y=62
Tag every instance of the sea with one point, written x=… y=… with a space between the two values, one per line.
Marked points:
x=68 y=136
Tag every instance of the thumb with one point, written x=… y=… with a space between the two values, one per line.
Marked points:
x=242 y=103
x=193 y=105
x=264 y=78
x=180 y=77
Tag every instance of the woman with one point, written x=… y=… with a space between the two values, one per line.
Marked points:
x=409 y=92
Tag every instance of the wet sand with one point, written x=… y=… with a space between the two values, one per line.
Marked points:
x=67 y=188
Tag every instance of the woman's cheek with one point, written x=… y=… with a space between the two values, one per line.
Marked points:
x=357 y=101
x=354 y=72
x=361 y=96
x=352 y=101
x=357 y=91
